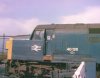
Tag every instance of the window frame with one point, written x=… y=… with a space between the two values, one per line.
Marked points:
x=42 y=31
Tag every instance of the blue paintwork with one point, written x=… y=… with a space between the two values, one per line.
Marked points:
x=22 y=50
x=90 y=69
x=58 y=45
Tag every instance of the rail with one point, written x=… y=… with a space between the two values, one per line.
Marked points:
x=80 y=72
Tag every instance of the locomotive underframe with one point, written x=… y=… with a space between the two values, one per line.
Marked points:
x=44 y=69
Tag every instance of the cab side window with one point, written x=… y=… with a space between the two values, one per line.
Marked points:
x=50 y=34
x=38 y=35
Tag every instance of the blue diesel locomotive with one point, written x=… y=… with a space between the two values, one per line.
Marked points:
x=54 y=50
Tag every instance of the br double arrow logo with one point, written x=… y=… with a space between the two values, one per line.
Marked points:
x=36 y=48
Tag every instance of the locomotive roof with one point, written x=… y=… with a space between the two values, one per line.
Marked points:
x=64 y=26
x=81 y=28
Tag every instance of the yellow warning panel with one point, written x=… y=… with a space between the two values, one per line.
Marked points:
x=9 y=44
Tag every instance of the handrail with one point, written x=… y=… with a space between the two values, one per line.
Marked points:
x=80 y=72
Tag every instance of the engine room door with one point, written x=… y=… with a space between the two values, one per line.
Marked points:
x=38 y=44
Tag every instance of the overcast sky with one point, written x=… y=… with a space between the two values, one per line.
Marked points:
x=21 y=16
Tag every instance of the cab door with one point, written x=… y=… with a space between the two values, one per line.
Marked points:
x=50 y=41
x=37 y=47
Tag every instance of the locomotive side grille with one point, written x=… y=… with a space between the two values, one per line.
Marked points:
x=94 y=30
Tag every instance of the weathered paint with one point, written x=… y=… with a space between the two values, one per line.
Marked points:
x=84 y=37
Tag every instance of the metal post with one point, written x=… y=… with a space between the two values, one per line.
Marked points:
x=52 y=72
x=3 y=45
